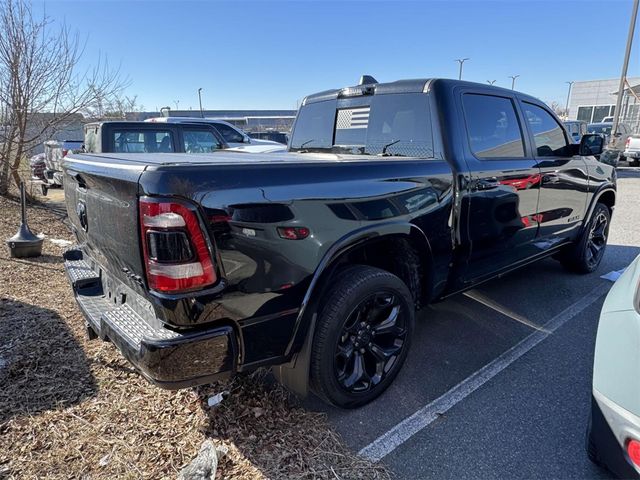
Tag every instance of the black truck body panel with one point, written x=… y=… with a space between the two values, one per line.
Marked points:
x=468 y=218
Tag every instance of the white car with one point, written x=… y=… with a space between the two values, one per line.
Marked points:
x=613 y=435
x=632 y=150
x=235 y=138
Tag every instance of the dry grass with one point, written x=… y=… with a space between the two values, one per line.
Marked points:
x=72 y=408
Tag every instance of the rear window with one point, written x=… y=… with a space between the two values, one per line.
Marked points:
x=397 y=124
x=128 y=141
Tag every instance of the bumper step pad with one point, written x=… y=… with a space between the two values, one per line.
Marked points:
x=135 y=329
x=81 y=274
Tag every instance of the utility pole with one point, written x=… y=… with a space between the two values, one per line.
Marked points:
x=513 y=81
x=461 y=61
x=623 y=75
x=491 y=82
x=200 y=100
x=566 y=109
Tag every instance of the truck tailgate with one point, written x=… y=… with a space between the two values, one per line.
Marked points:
x=101 y=200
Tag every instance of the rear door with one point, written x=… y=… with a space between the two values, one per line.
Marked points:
x=501 y=206
x=564 y=178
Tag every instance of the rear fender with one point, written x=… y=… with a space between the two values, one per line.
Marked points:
x=295 y=374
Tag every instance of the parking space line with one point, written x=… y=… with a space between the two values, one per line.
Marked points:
x=403 y=431
x=492 y=304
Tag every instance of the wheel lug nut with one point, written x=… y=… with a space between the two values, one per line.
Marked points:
x=370 y=344
x=362 y=350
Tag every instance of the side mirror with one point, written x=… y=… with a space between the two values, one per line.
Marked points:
x=591 y=144
x=247 y=139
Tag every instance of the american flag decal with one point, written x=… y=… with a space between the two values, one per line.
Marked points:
x=352 y=118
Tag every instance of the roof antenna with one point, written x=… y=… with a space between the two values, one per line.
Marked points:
x=366 y=80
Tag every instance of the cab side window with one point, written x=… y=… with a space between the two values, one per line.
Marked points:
x=548 y=135
x=492 y=126
x=229 y=134
x=200 y=141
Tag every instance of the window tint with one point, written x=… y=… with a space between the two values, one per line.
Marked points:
x=314 y=125
x=200 y=141
x=493 y=128
x=127 y=141
x=229 y=134
x=394 y=124
x=401 y=124
x=547 y=134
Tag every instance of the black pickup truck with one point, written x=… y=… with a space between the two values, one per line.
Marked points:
x=314 y=261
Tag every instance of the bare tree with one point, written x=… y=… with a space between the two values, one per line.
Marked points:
x=41 y=86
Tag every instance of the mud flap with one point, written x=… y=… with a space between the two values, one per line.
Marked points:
x=295 y=374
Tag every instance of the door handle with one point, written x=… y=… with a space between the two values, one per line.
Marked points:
x=487 y=183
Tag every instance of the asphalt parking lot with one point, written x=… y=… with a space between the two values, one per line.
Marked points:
x=498 y=381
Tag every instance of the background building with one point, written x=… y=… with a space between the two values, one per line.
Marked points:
x=248 y=120
x=592 y=100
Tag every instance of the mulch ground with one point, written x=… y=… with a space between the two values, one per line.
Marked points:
x=73 y=408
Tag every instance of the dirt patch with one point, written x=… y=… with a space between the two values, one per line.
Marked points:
x=74 y=408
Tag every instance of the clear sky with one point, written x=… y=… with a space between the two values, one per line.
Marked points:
x=270 y=54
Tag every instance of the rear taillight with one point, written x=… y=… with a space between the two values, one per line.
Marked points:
x=175 y=250
x=633 y=450
x=628 y=142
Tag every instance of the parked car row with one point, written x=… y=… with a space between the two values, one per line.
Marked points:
x=180 y=135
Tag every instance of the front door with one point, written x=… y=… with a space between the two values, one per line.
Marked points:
x=564 y=178
x=501 y=204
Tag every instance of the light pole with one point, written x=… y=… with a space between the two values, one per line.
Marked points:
x=200 y=100
x=177 y=102
x=461 y=61
x=566 y=108
x=491 y=82
x=513 y=81
x=623 y=75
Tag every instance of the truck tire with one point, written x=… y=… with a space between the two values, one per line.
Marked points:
x=586 y=254
x=362 y=337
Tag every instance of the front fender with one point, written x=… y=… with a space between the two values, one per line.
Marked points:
x=608 y=188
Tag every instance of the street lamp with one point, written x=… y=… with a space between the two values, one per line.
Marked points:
x=177 y=102
x=513 y=81
x=461 y=61
x=491 y=82
x=200 y=100
x=566 y=108
x=623 y=75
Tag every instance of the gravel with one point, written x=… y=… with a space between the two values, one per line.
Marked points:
x=74 y=408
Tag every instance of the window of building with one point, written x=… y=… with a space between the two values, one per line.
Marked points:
x=492 y=126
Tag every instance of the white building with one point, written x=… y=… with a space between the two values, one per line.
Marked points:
x=592 y=100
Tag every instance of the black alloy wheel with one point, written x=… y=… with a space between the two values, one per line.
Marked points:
x=362 y=335
x=597 y=239
x=585 y=255
x=370 y=342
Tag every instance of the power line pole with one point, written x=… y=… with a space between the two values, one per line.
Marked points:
x=200 y=100
x=623 y=75
x=566 y=109
x=461 y=61
x=513 y=81
x=491 y=82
